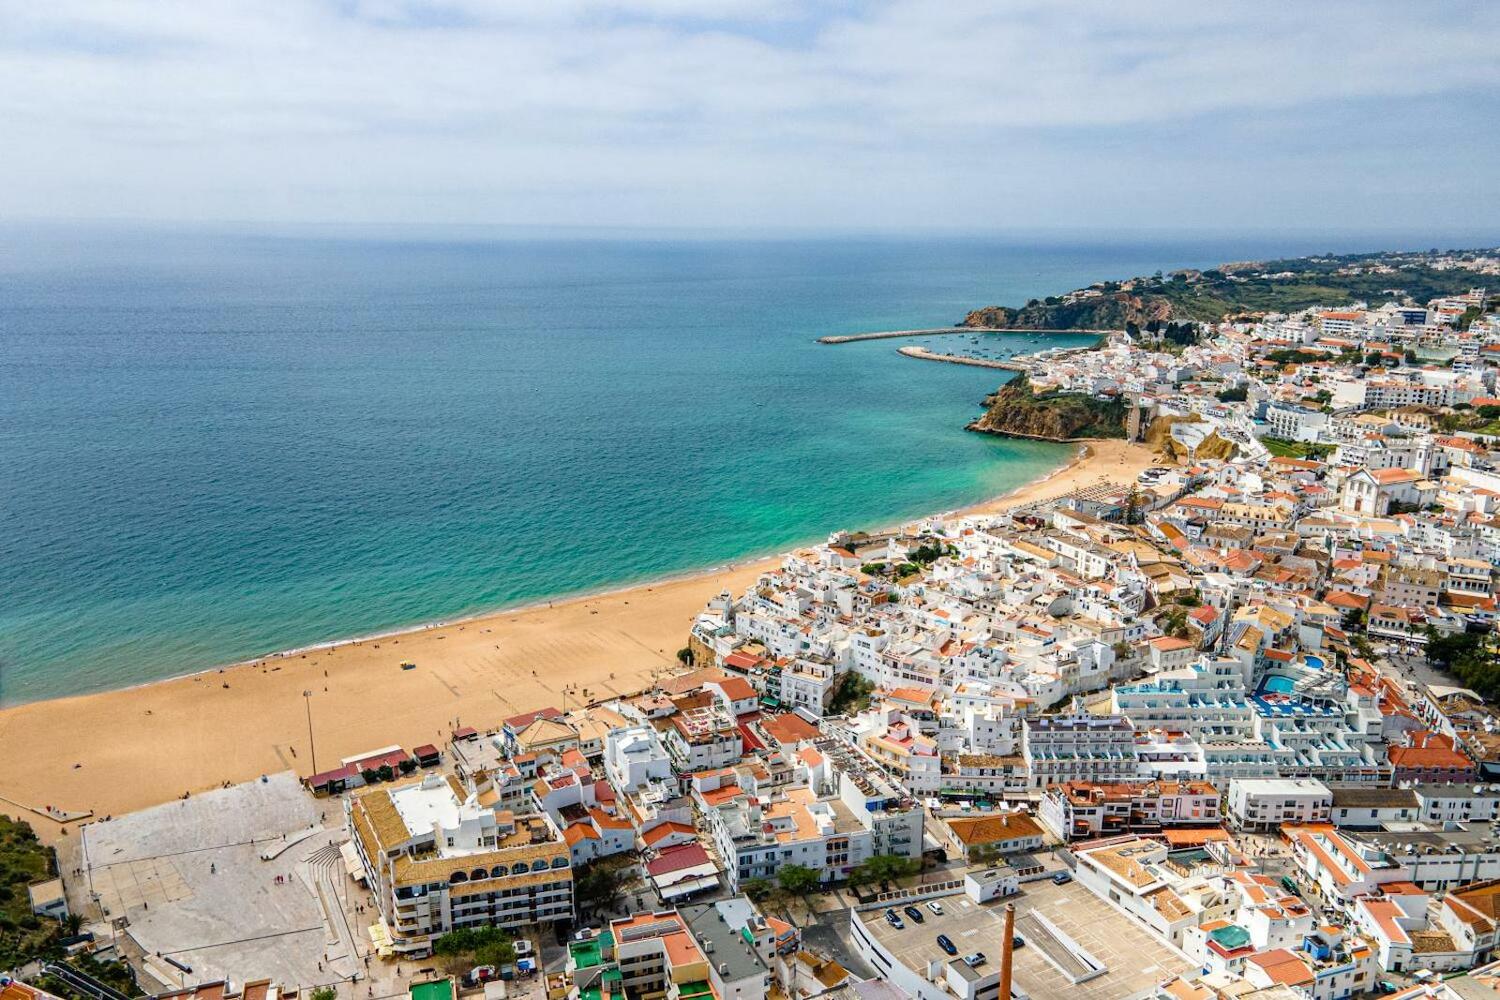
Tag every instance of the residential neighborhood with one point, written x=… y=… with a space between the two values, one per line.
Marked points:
x=1202 y=735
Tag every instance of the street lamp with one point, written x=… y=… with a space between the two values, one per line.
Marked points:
x=312 y=747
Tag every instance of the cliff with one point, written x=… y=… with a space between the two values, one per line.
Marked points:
x=1248 y=289
x=1102 y=312
x=1159 y=437
x=1015 y=410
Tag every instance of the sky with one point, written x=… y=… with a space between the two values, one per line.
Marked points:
x=944 y=114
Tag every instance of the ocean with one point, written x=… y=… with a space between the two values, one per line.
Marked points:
x=215 y=444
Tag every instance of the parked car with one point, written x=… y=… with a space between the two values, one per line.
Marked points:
x=1017 y=942
x=946 y=943
x=1061 y=878
x=894 y=919
x=935 y=907
x=975 y=960
x=915 y=914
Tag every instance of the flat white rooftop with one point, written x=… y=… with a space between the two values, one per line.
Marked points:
x=431 y=805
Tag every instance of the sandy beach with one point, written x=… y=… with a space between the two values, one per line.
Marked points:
x=118 y=751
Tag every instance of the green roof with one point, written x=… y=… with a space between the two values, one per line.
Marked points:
x=586 y=955
x=697 y=988
x=1231 y=937
x=440 y=990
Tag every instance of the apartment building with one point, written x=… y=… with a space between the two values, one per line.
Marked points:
x=841 y=810
x=1206 y=699
x=1080 y=810
x=700 y=733
x=1098 y=748
x=1267 y=803
x=1295 y=423
x=437 y=859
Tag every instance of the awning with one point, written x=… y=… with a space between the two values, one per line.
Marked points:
x=352 y=864
x=687 y=887
x=380 y=937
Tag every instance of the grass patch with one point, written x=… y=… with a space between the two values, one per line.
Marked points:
x=1282 y=448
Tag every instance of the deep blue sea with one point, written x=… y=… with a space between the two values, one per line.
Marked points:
x=216 y=444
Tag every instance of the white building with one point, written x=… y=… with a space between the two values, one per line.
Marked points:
x=1295 y=423
x=634 y=757
x=1267 y=803
x=1098 y=748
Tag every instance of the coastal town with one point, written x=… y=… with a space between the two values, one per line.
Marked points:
x=1216 y=729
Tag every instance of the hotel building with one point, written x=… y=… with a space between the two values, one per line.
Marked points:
x=438 y=858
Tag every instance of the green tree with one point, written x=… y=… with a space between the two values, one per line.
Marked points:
x=495 y=953
x=886 y=868
x=599 y=887
x=798 y=880
x=1174 y=622
x=852 y=696
x=467 y=941
x=325 y=993
x=759 y=889
x=1470 y=657
x=685 y=656
x=23 y=860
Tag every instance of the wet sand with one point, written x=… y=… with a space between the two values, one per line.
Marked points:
x=118 y=751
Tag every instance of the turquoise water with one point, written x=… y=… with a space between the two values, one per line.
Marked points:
x=1278 y=685
x=214 y=445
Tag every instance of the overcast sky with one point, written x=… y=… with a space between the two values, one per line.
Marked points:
x=939 y=114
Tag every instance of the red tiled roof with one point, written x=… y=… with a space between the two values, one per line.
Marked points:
x=519 y=722
x=789 y=728
x=736 y=689
x=677 y=858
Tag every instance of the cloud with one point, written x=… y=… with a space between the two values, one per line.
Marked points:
x=641 y=111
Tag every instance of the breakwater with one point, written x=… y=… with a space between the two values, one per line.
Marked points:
x=1014 y=365
x=947 y=331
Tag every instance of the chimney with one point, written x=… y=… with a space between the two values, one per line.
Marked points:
x=1005 y=950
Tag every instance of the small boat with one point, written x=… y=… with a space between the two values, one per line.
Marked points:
x=408 y=665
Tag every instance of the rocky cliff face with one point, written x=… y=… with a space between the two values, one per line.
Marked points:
x=1102 y=312
x=1016 y=411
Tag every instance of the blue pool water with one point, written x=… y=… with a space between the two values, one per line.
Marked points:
x=1277 y=685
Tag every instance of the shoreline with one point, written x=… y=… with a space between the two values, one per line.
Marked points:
x=137 y=746
x=396 y=632
x=547 y=603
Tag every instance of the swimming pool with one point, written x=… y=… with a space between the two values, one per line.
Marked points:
x=1316 y=662
x=1278 y=685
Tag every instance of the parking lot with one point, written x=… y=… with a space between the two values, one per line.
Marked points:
x=1133 y=959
